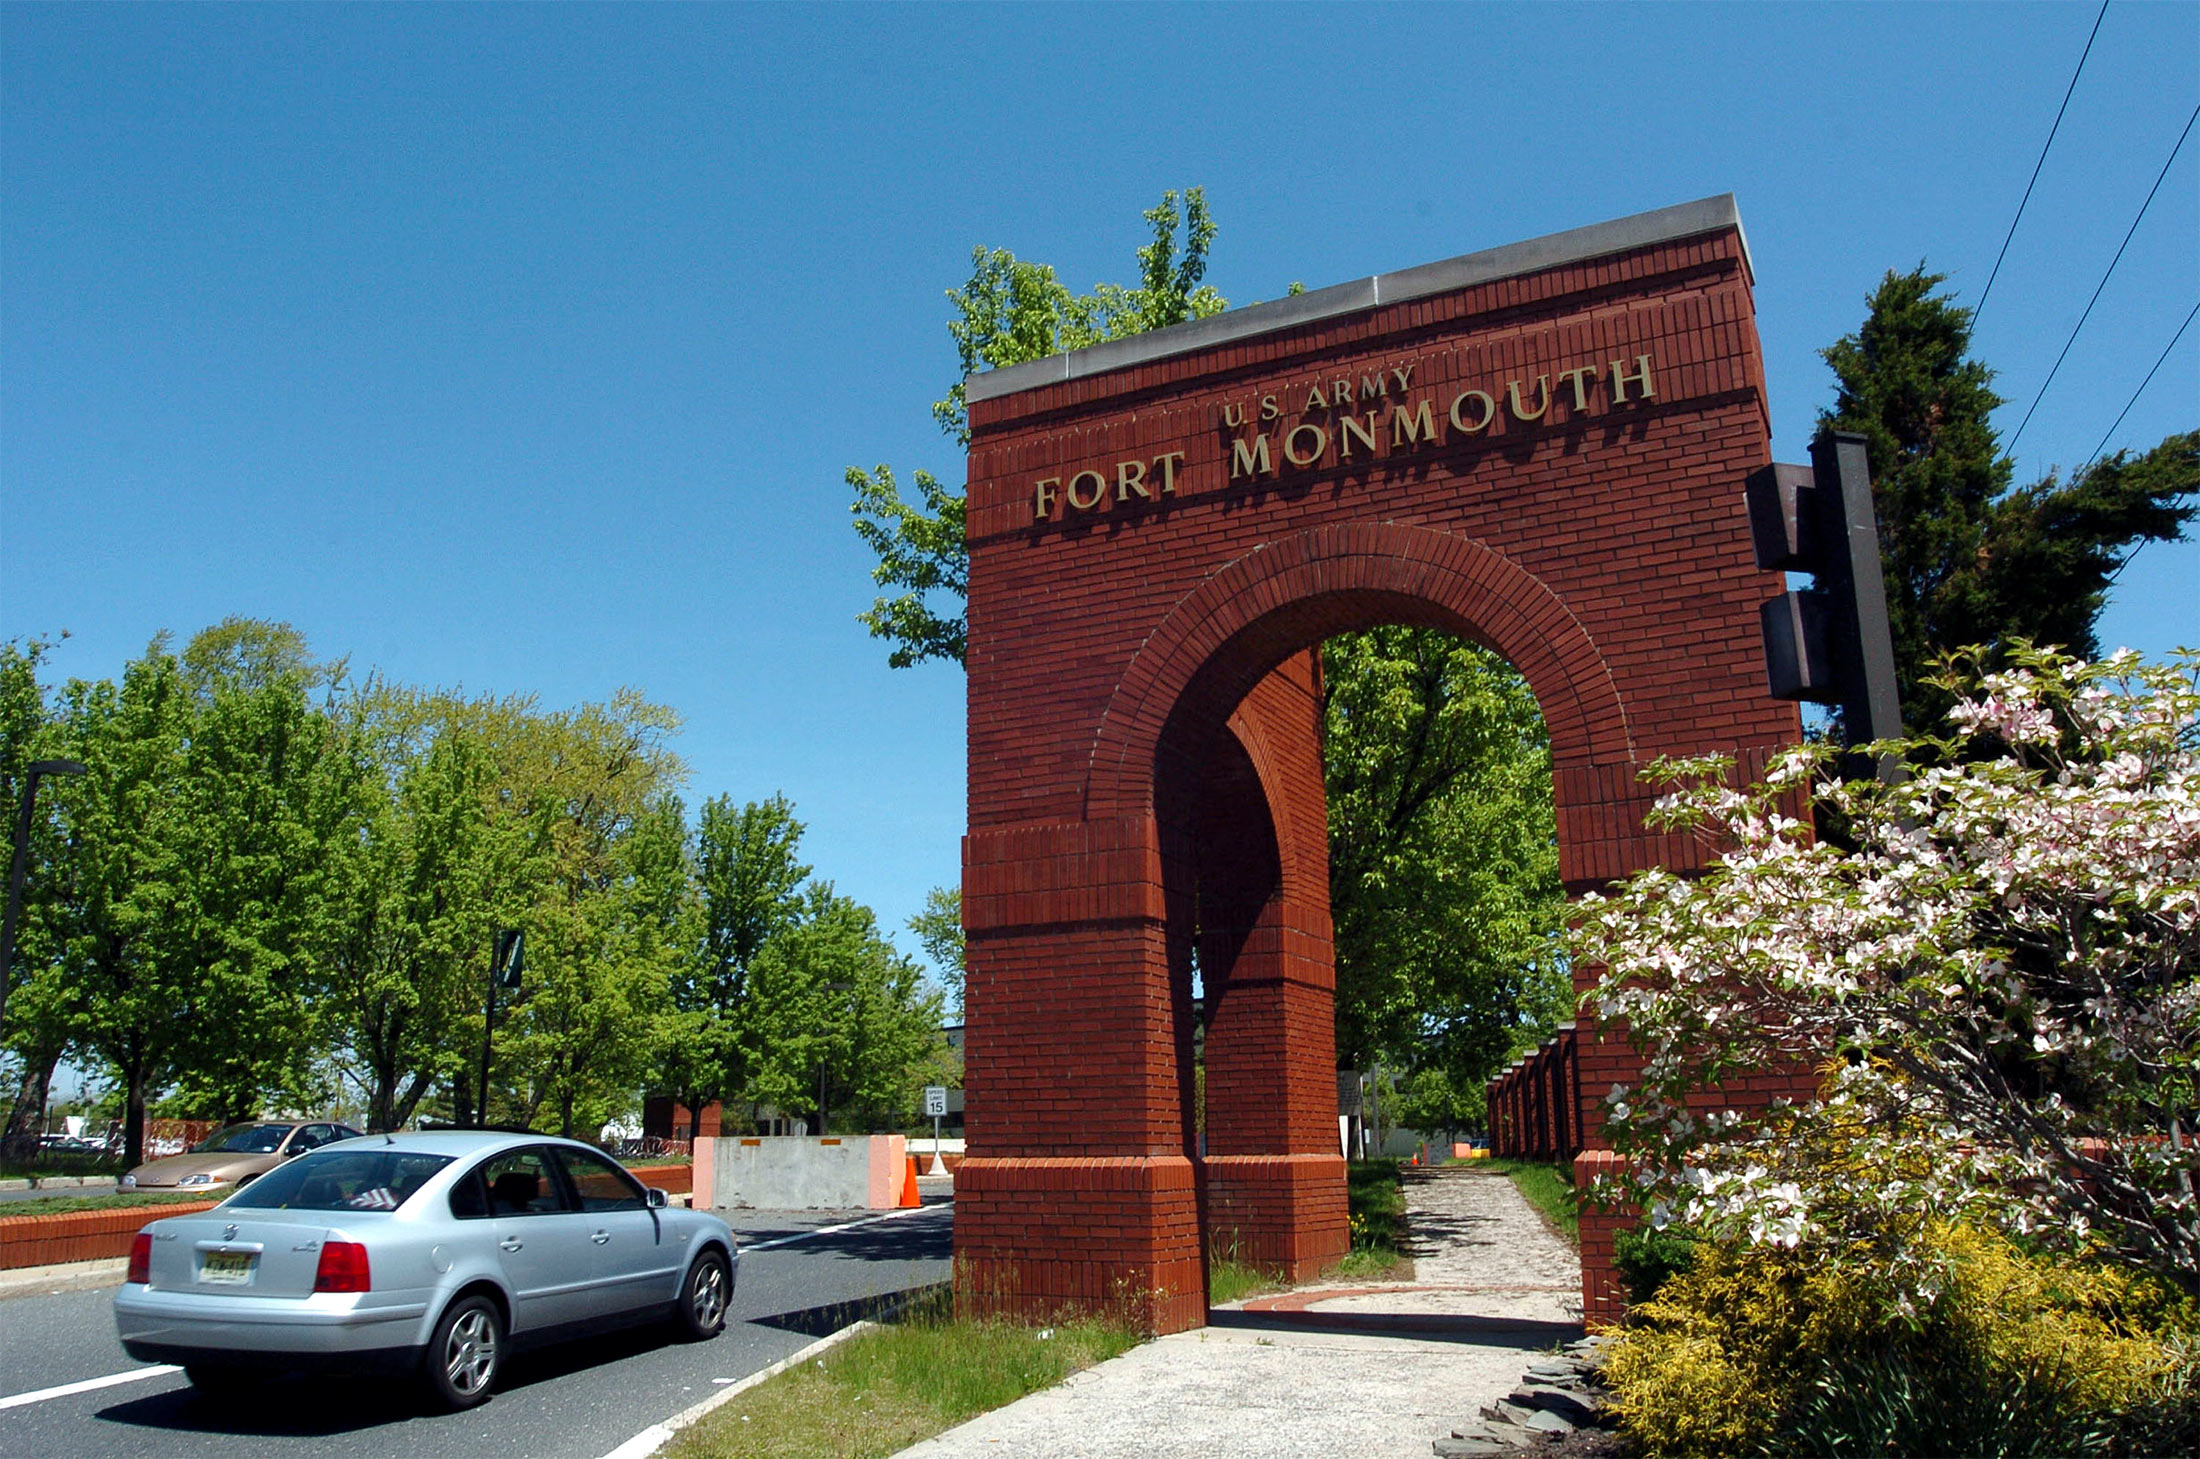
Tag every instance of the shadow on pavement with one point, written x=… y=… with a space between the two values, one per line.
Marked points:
x=1514 y=1332
x=1431 y=1233
x=833 y=1316
x=310 y=1407
x=288 y=1409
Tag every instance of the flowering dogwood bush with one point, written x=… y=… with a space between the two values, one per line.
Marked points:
x=1996 y=983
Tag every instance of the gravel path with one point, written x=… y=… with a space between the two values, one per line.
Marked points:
x=1479 y=1249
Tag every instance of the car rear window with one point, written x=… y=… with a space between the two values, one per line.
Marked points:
x=243 y=1140
x=342 y=1180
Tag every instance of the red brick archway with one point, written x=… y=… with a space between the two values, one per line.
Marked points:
x=1540 y=448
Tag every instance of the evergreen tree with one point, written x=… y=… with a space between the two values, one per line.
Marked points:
x=1968 y=559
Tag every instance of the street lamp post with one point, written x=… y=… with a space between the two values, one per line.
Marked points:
x=32 y=772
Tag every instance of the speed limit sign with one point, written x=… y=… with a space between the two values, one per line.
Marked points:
x=935 y=1101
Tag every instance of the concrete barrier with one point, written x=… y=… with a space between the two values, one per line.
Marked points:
x=802 y=1172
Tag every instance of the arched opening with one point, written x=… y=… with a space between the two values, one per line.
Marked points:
x=1242 y=816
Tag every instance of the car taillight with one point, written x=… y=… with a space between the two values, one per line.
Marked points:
x=141 y=1258
x=343 y=1268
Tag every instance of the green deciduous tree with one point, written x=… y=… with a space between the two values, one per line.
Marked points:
x=1443 y=859
x=835 y=1012
x=748 y=892
x=261 y=787
x=1010 y=312
x=939 y=929
x=446 y=854
x=36 y=1031
x=122 y=888
x=191 y=895
x=596 y=787
x=1969 y=559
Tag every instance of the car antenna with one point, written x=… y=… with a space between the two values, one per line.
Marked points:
x=388 y=1138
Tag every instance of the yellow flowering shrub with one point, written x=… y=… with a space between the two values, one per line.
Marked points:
x=1759 y=1350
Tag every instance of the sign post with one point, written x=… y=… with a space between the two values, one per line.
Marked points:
x=935 y=1105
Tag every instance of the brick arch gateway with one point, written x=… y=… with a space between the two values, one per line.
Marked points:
x=1541 y=448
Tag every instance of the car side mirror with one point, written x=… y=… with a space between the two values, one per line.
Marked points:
x=657 y=1199
x=294 y=1152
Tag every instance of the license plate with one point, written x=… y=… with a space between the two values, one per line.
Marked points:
x=226 y=1268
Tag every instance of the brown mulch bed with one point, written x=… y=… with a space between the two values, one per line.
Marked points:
x=1588 y=1444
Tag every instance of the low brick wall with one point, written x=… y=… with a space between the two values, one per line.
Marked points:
x=80 y=1235
x=673 y=1180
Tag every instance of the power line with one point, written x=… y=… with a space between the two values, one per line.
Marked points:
x=2195 y=117
x=2143 y=384
x=1981 y=305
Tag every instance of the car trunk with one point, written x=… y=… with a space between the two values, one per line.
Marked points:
x=240 y=1254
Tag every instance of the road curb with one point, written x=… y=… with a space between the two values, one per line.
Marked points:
x=74 y=1276
x=653 y=1438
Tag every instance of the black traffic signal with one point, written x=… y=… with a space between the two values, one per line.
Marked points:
x=1827 y=643
x=511 y=957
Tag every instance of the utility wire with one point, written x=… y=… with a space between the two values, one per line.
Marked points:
x=1979 y=307
x=2195 y=117
x=2143 y=384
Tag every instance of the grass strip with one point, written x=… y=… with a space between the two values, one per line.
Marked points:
x=1547 y=1187
x=1230 y=1280
x=1375 y=1197
x=884 y=1390
x=68 y=1205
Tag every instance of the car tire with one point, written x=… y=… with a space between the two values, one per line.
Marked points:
x=217 y=1380
x=705 y=1298
x=465 y=1353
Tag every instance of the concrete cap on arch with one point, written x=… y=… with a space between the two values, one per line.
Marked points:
x=1554 y=250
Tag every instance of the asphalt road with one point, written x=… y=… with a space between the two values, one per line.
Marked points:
x=579 y=1400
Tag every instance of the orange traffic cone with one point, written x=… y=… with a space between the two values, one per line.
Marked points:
x=909 y=1196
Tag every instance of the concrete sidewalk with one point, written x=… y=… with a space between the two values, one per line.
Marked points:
x=1374 y=1371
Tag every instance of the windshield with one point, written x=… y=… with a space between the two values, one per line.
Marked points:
x=342 y=1180
x=243 y=1140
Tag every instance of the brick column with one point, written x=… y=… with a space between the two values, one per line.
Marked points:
x=1272 y=1178
x=1079 y=1192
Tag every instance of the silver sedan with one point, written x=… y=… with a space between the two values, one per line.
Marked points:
x=427 y=1255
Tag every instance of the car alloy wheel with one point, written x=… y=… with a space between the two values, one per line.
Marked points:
x=709 y=1291
x=463 y=1355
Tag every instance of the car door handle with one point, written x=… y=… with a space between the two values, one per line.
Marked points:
x=599 y=1237
x=511 y=1243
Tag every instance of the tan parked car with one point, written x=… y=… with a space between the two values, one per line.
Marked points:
x=235 y=1155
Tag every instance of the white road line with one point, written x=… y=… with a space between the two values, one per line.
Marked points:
x=157 y=1370
x=843 y=1226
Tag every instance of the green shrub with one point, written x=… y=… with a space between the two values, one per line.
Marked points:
x=1375 y=1200
x=1757 y=1351
x=1645 y=1256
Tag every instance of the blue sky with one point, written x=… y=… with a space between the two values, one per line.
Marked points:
x=523 y=349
